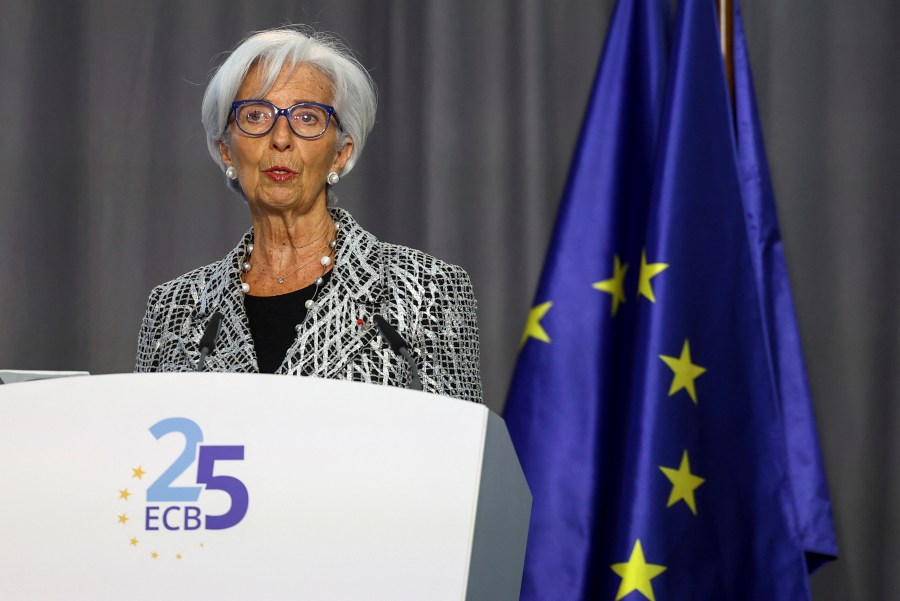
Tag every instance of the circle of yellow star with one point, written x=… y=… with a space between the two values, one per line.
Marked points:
x=684 y=483
x=615 y=285
x=685 y=372
x=124 y=494
x=123 y=518
x=137 y=472
x=533 y=328
x=648 y=272
x=636 y=574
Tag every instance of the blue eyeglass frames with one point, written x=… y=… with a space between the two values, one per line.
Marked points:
x=307 y=120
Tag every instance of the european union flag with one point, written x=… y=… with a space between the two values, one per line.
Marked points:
x=659 y=405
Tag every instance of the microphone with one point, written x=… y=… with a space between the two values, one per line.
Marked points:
x=399 y=346
x=208 y=340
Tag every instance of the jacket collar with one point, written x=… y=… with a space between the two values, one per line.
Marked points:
x=358 y=266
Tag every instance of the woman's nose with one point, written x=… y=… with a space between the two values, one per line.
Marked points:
x=281 y=133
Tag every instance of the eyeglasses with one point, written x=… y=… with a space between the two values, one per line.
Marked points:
x=306 y=119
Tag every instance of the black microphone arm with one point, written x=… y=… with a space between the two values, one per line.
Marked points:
x=210 y=336
x=399 y=346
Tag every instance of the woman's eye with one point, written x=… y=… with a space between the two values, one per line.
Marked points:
x=306 y=118
x=254 y=116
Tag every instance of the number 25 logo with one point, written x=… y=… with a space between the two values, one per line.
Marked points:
x=162 y=491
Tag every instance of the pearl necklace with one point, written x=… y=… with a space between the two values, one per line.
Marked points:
x=325 y=261
x=282 y=278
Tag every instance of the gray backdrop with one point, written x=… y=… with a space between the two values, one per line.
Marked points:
x=107 y=188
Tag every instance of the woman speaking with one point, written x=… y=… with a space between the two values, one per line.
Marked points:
x=300 y=291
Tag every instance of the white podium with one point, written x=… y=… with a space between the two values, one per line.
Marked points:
x=235 y=486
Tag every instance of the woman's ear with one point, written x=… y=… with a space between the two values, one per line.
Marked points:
x=225 y=153
x=343 y=156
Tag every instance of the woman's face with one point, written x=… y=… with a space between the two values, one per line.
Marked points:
x=281 y=172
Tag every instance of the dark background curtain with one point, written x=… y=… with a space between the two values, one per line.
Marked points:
x=107 y=188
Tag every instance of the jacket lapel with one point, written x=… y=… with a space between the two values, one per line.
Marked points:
x=222 y=292
x=331 y=333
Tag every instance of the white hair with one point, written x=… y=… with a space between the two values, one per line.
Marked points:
x=353 y=89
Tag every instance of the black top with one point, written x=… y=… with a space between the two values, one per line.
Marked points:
x=273 y=321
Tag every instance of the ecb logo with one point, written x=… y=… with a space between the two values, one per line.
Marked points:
x=171 y=507
x=179 y=516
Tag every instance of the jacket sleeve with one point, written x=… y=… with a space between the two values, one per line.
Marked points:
x=449 y=354
x=148 y=338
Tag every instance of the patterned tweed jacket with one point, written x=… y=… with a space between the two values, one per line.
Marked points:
x=430 y=302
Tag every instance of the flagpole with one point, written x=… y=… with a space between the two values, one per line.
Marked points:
x=726 y=40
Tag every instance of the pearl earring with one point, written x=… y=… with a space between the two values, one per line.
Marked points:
x=231 y=173
x=333 y=178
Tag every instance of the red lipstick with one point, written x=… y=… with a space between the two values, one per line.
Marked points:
x=277 y=173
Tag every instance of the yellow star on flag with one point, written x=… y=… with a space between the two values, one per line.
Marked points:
x=123 y=518
x=615 y=285
x=648 y=272
x=154 y=555
x=137 y=472
x=684 y=483
x=134 y=542
x=533 y=328
x=124 y=494
x=178 y=556
x=636 y=574
x=685 y=372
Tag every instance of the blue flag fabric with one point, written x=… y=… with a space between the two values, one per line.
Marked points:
x=556 y=411
x=812 y=504
x=659 y=406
